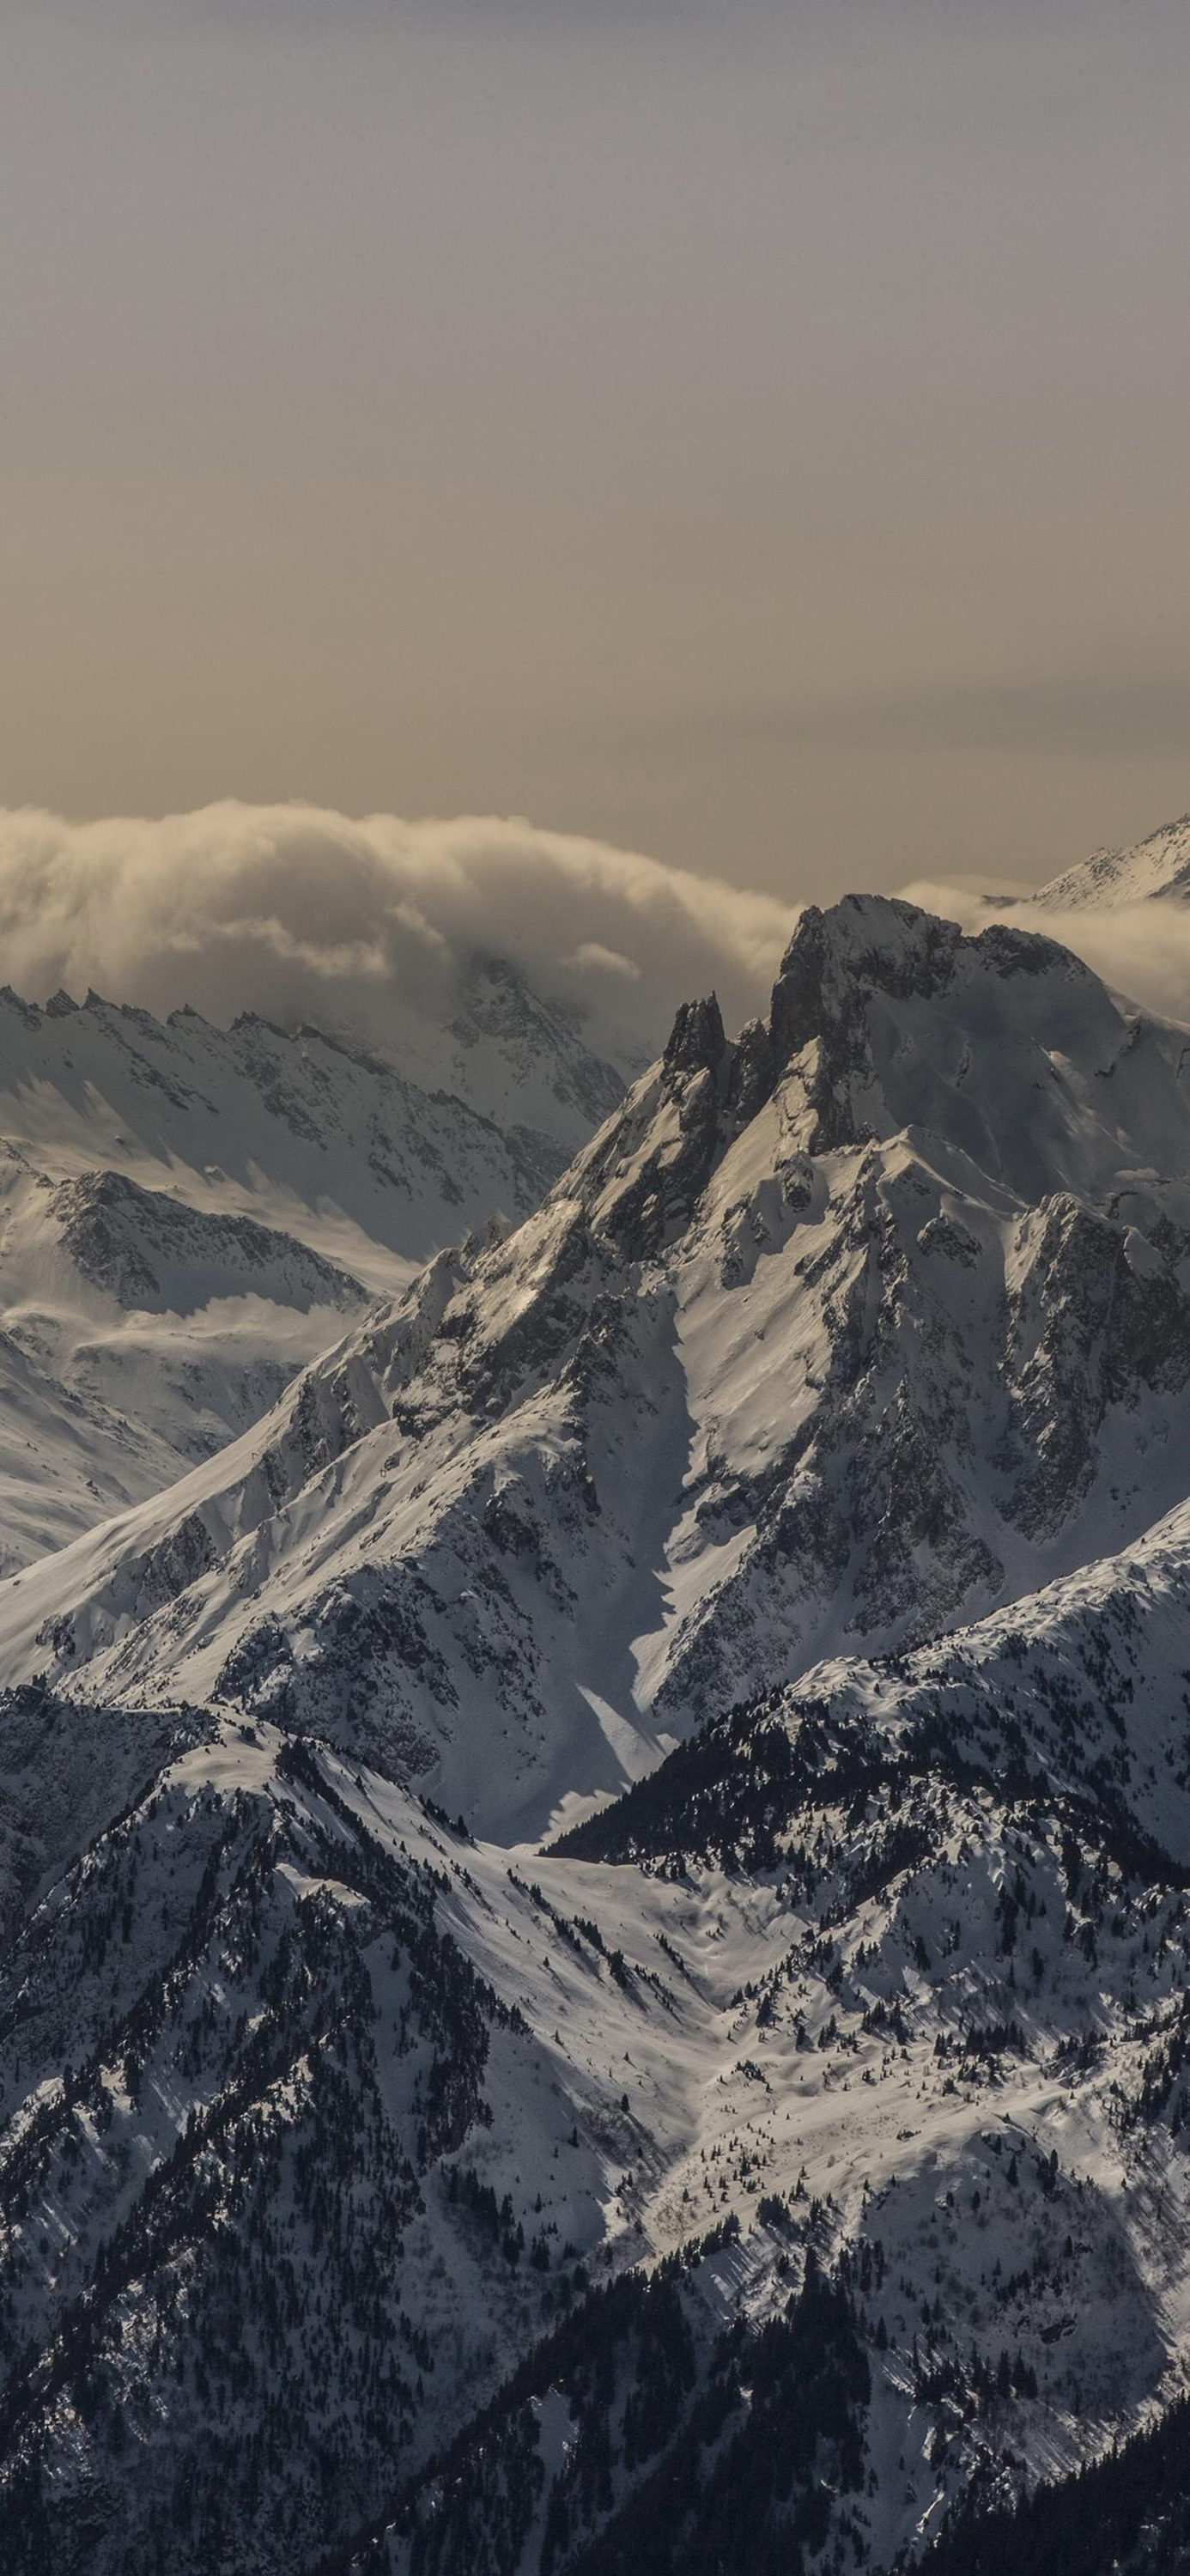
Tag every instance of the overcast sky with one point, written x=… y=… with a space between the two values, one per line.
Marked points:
x=753 y=434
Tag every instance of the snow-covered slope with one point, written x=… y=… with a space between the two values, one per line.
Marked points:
x=802 y=2148
x=1079 y=1695
x=303 y=1130
x=1159 y=865
x=138 y=1334
x=187 y=1214
x=831 y=1338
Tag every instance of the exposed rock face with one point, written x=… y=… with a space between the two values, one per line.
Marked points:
x=753 y=1071
x=1096 y=1313
x=865 y=941
x=697 y=1041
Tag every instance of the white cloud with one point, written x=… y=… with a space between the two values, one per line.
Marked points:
x=303 y=913
x=295 y=911
x=601 y=961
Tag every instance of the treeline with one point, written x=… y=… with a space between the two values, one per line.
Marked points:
x=1126 y=2515
x=689 y=2449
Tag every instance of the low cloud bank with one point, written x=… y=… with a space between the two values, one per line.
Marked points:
x=300 y=913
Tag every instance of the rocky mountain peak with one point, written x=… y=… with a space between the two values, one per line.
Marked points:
x=752 y=1073
x=869 y=946
x=697 y=1039
x=870 y=942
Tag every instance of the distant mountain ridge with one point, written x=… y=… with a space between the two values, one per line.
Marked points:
x=257 y=1116
x=187 y=1213
x=1155 y=867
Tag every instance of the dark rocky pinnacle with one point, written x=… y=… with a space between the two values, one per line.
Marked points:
x=697 y=1039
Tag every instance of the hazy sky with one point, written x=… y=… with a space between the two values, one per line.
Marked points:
x=756 y=434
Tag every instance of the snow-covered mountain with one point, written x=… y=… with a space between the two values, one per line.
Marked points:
x=266 y=1112
x=789 y=2165
x=187 y=1214
x=797 y=2152
x=834 y=1336
x=1159 y=865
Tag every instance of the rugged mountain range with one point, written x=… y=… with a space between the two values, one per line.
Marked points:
x=188 y=1214
x=797 y=2152
x=832 y=1337
x=598 y=1909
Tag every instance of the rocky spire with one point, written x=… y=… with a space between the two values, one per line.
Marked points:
x=697 y=1038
